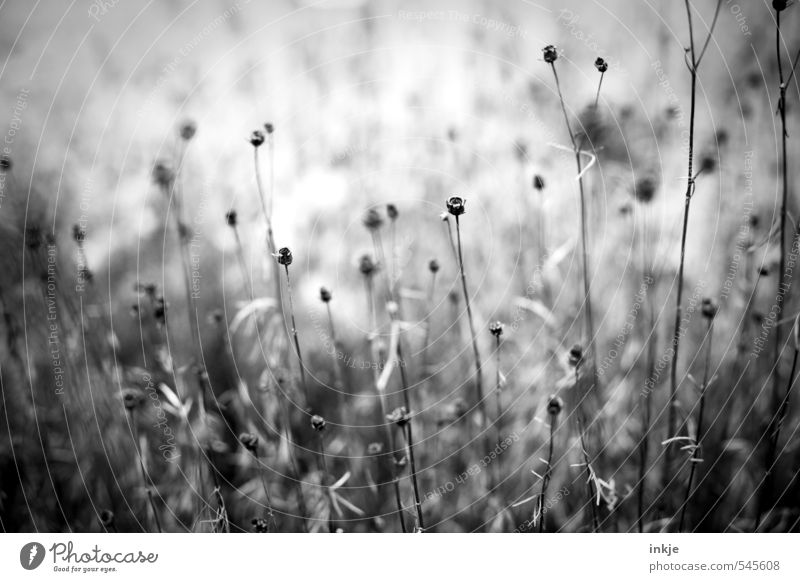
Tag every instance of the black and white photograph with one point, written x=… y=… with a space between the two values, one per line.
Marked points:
x=383 y=267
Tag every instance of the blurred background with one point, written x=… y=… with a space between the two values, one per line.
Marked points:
x=376 y=103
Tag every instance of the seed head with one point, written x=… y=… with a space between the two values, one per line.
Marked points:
x=131 y=398
x=188 y=129
x=257 y=138
x=160 y=311
x=325 y=294
x=375 y=448
x=366 y=265
x=496 y=328
x=644 y=189
x=538 y=183
x=230 y=217
x=78 y=233
x=575 y=355
x=107 y=518
x=555 y=405
x=764 y=271
x=709 y=308
x=284 y=257
x=163 y=174
x=550 y=54
x=318 y=423
x=433 y=265
x=249 y=441
x=260 y=525
x=456 y=205
x=269 y=128
x=5 y=163
x=708 y=163
x=372 y=219
x=780 y=5
x=601 y=65
x=400 y=416
x=391 y=211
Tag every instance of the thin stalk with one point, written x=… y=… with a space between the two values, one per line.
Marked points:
x=476 y=353
x=337 y=371
x=584 y=231
x=676 y=334
x=699 y=434
x=778 y=347
x=417 y=498
x=599 y=85
x=774 y=432
x=377 y=243
x=382 y=401
x=499 y=401
x=295 y=474
x=271 y=248
x=427 y=340
x=296 y=337
x=268 y=509
x=324 y=479
x=547 y=473
x=590 y=485
x=145 y=479
x=248 y=282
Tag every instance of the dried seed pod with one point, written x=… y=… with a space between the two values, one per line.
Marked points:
x=555 y=405
x=372 y=219
x=318 y=423
x=601 y=65
x=575 y=355
x=709 y=308
x=456 y=205
x=257 y=138
x=550 y=54
x=538 y=182
x=391 y=211
x=188 y=129
x=325 y=294
x=231 y=217
x=496 y=328
x=433 y=266
x=284 y=256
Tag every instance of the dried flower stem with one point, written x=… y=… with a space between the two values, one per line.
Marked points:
x=296 y=337
x=145 y=479
x=547 y=473
x=699 y=434
x=584 y=231
x=476 y=353
x=692 y=65
x=324 y=479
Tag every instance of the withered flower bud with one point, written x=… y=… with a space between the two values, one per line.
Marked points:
x=318 y=423
x=550 y=54
x=709 y=308
x=538 y=183
x=257 y=138
x=601 y=65
x=575 y=355
x=372 y=219
x=456 y=205
x=188 y=129
x=285 y=257
x=433 y=265
x=366 y=265
x=231 y=217
x=325 y=294
x=555 y=405
x=131 y=398
x=391 y=211
x=496 y=328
